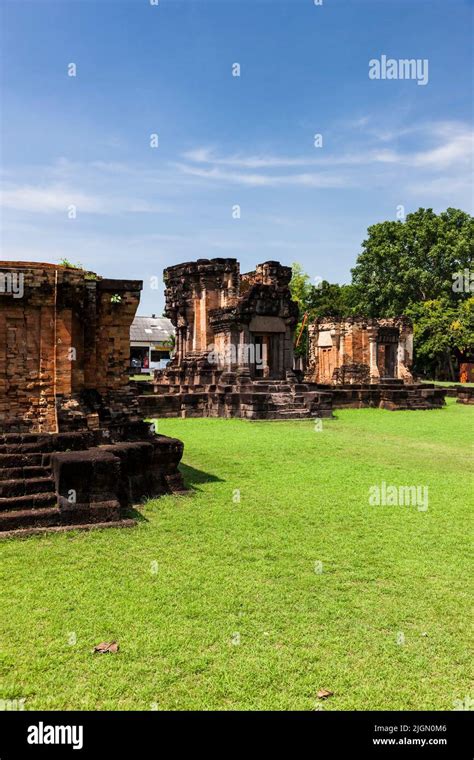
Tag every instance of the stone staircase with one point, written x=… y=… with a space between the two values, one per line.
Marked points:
x=39 y=472
x=411 y=397
x=27 y=489
x=284 y=402
x=256 y=399
x=291 y=399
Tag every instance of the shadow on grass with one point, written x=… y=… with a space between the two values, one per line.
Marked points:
x=134 y=514
x=193 y=478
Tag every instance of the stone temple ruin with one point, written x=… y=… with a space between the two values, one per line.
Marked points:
x=234 y=352
x=234 y=345
x=357 y=350
x=74 y=449
x=368 y=362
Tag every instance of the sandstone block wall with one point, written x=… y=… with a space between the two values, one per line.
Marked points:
x=218 y=311
x=62 y=331
x=358 y=350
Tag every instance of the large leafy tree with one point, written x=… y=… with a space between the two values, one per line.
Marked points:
x=332 y=300
x=323 y=299
x=410 y=268
x=403 y=263
x=443 y=335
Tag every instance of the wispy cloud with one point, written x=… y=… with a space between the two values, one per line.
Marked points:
x=443 y=146
x=54 y=198
x=47 y=199
x=437 y=155
x=208 y=156
x=450 y=141
x=455 y=146
x=264 y=180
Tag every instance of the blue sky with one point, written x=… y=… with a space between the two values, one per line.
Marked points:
x=223 y=140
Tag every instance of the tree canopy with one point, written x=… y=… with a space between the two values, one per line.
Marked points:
x=421 y=267
x=409 y=262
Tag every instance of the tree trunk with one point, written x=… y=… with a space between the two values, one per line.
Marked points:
x=452 y=375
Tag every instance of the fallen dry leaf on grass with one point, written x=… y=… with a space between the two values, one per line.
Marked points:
x=324 y=694
x=107 y=646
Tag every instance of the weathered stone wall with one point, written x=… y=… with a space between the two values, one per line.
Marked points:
x=218 y=311
x=74 y=449
x=357 y=350
x=61 y=333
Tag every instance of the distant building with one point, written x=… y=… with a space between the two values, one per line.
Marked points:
x=359 y=350
x=151 y=343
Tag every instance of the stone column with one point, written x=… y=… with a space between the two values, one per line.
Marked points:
x=400 y=358
x=342 y=348
x=405 y=356
x=244 y=348
x=374 y=370
x=181 y=329
x=312 y=359
x=203 y=321
x=242 y=340
x=195 y=334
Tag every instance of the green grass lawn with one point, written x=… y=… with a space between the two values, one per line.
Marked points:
x=219 y=604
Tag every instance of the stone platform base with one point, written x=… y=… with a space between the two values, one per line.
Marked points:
x=462 y=393
x=235 y=396
x=53 y=480
x=25 y=532
x=392 y=395
x=232 y=395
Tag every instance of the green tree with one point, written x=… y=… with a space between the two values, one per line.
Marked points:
x=443 y=336
x=322 y=300
x=300 y=288
x=411 y=268
x=403 y=263
x=332 y=300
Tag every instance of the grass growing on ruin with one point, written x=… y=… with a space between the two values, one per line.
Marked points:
x=218 y=604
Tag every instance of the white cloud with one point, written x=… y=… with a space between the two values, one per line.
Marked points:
x=207 y=156
x=47 y=199
x=436 y=155
x=264 y=180
x=451 y=142
x=56 y=198
x=456 y=148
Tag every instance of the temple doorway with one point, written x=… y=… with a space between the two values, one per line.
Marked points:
x=387 y=352
x=265 y=361
x=260 y=359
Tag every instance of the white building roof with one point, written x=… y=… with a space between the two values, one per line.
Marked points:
x=151 y=330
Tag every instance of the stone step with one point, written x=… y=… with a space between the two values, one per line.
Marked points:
x=8 y=438
x=26 y=531
x=282 y=398
x=289 y=414
x=22 y=487
x=21 y=448
x=29 y=518
x=23 y=473
x=24 y=460
x=29 y=501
